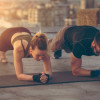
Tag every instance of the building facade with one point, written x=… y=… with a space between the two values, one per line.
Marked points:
x=41 y=14
x=49 y=14
x=87 y=4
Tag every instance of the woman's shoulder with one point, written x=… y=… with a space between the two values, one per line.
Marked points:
x=18 y=49
x=17 y=46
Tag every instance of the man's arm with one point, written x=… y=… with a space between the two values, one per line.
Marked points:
x=76 y=67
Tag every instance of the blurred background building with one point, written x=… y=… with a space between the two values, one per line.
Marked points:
x=46 y=14
x=85 y=4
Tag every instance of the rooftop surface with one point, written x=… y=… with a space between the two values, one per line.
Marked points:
x=66 y=91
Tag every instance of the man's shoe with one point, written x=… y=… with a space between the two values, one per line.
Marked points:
x=58 y=54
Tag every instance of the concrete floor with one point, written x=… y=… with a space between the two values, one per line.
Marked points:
x=66 y=91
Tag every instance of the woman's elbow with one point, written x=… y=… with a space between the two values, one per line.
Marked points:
x=19 y=77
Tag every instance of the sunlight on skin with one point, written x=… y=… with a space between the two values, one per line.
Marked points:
x=96 y=48
x=38 y=54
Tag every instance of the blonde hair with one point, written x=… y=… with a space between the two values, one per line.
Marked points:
x=40 y=40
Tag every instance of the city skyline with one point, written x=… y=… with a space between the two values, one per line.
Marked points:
x=33 y=13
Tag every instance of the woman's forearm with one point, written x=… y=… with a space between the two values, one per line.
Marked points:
x=47 y=66
x=24 y=77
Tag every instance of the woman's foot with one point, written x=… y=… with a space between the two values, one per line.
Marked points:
x=3 y=60
x=3 y=57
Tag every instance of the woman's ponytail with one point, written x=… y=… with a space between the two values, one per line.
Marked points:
x=40 y=40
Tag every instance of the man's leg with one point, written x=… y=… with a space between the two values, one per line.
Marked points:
x=55 y=44
x=3 y=57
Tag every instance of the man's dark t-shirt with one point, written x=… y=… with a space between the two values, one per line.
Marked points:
x=79 y=39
